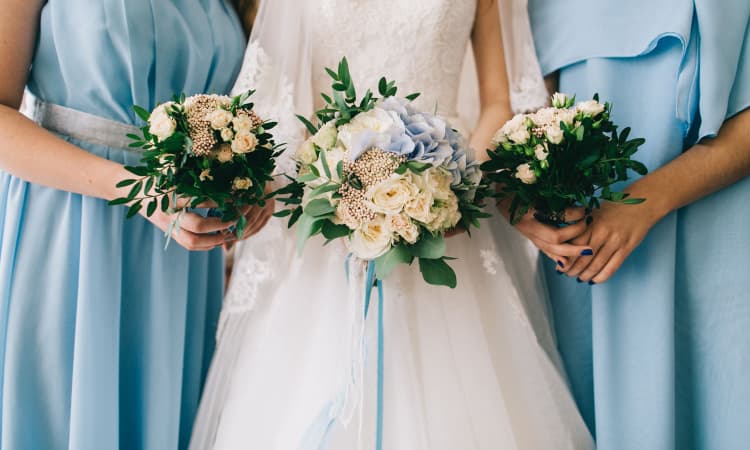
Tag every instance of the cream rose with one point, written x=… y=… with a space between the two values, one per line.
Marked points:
x=446 y=215
x=242 y=184
x=326 y=137
x=590 y=108
x=227 y=134
x=525 y=173
x=372 y=240
x=439 y=182
x=541 y=152
x=242 y=124
x=160 y=123
x=377 y=120
x=244 y=142
x=554 y=134
x=224 y=154
x=520 y=135
x=392 y=195
x=499 y=137
x=219 y=118
x=568 y=116
x=306 y=153
x=544 y=116
x=402 y=225
x=420 y=208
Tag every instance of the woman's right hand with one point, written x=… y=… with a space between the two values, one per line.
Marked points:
x=553 y=241
x=195 y=233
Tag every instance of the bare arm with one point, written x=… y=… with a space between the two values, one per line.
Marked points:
x=709 y=166
x=487 y=42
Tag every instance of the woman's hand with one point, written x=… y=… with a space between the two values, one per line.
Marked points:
x=257 y=218
x=615 y=232
x=553 y=241
x=195 y=233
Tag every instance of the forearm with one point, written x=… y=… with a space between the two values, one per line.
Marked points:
x=702 y=170
x=491 y=119
x=36 y=155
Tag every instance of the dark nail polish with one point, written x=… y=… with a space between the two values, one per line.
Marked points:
x=589 y=220
x=579 y=280
x=591 y=283
x=560 y=263
x=587 y=252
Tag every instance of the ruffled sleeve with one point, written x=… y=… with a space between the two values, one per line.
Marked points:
x=724 y=62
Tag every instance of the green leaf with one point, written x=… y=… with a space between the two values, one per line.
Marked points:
x=437 y=272
x=310 y=127
x=134 y=209
x=124 y=183
x=385 y=264
x=332 y=74
x=340 y=169
x=319 y=207
x=332 y=231
x=283 y=213
x=142 y=113
x=324 y=162
x=633 y=201
x=430 y=247
x=323 y=189
x=414 y=96
x=135 y=190
x=151 y=208
x=119 y=201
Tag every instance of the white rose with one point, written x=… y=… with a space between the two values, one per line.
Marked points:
x=590 y=108
x=306 y=153
x=518 y=121
x=499 y=137
x=420 y=208
x=219 y=118
x=344 y=216
x=544 y=116
x=372 y=240
x=541 y=152
x=376 y=120
x=439 y=182
x=226 y=134
x=446 y=215
x=326 y=137
x=242 y=183
x=560 y=100
x=525 y=174
x=225 y=154
x=520 y=136
x=244 y=142
x=566 y=115
x=392 y=195
x=242 y=124
x=206 y=175
x=404 y=227
x=554 y=134
x=160 y=124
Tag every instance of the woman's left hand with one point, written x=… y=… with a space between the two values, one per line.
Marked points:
x=257 y=218
x=616 y=230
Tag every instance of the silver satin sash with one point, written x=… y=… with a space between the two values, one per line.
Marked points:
x=78 y=124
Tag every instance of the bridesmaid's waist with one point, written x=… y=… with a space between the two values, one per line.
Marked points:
x=78 y=125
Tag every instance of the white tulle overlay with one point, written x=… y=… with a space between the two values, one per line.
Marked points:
x=470 y=368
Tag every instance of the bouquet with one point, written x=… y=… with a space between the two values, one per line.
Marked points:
x=560 y=157
x=387 y=178
x=202 y=148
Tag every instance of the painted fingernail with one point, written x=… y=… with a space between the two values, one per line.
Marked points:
x=589 y=220
x=579 y=280
x=592 y=282
x=587 y=252
x=560 y=263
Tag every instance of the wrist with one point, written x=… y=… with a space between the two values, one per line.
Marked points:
x=656 y=206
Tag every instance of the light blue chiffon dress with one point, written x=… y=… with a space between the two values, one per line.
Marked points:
x=659 y=356
x=105 y=337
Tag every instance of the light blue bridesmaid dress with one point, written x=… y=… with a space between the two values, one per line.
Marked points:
x=659 y=356
x=105 y=337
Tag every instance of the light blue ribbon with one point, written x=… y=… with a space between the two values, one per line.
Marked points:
x=371 y=282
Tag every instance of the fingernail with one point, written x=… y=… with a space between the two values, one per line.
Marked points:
x=579 y=280
x=560 y=263
x=592 y=282
x=589 y=220
x=587 y=252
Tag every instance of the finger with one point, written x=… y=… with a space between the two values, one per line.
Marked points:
x=574 y=214
x=553 y=235
x=198 y=224
x=598 y=262
x=257 y=224
x=569 y=250
x=612 y=266
x=197 y=242
x=560 y=261
x=584 y=259
x=582 y=240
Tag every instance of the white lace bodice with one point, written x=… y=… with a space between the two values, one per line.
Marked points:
x=421 y=47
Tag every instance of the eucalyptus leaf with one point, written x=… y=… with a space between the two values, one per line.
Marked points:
x=437 y=272
x=385 y=264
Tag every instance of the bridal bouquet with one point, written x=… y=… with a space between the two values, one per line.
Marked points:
x=561 y=156
x=202 y=148
x=388 y=179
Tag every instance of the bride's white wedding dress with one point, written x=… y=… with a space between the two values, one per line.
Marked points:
x=470 y=368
